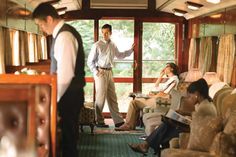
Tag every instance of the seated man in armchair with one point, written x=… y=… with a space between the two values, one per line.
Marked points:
x=163 y=89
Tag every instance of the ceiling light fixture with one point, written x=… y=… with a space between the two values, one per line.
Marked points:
x=193 y=6
x=179 y=12
x=213 y=1
x=61 y=10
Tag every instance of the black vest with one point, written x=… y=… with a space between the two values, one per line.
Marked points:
x=78 y=80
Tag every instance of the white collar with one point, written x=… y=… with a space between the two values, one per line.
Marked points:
x=57 y=28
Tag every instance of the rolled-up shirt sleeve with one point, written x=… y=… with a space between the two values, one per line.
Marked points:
x=121 y=55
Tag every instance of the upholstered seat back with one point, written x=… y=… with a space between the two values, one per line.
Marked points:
x=13 y=119
x=43 y=117
x=17 y=114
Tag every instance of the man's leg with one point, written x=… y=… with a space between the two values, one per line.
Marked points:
x=134 y=109
x=155 y=138
x=69 y=107
x=101 y=90
x=112 y=100
x=133 y=112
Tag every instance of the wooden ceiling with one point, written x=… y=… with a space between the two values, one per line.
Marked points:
x=158 y=5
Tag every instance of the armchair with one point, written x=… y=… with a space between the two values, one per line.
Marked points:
x=222 y=143
x=152 y=115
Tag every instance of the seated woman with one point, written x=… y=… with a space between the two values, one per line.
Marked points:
x=171 y=71
x=197 y=92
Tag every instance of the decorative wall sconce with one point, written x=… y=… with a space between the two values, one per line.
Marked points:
x=61 y=10
x=179 y=12
x=193 y=6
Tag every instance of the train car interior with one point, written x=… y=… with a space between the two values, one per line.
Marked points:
x=147 y=78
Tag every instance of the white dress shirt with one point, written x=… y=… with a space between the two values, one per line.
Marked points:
x=102 y=54
x=65 y=52
x=164 y=87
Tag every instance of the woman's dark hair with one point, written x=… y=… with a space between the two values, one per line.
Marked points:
x=107 y=26
x=43 y=10
x=174 y=67
x=201 y=87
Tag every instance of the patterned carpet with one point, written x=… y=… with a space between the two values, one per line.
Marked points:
x=109 y=143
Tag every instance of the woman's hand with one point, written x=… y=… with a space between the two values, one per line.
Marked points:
x=162 y=73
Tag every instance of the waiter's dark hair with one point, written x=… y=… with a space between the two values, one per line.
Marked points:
x=43 y=10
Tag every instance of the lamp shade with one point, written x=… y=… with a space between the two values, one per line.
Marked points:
x=193 y=75
x=211 y=78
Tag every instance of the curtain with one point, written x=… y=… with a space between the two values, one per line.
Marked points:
x=44 y=55
x=23 y=42
x=33 y=50
x=205 y=55
x=42 y=47
x=192 y=54
x=226 y=55
x=12 y=47
x=233 y=81
x=2 y=50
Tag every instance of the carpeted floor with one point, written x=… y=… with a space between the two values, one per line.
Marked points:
x=109 y=143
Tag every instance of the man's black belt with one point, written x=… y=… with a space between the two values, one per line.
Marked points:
x=104 y=68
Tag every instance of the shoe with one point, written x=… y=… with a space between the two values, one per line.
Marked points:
x=119 y=124
x=138 y=148
x=102 y=125
x=143 y=137
x=123 y=127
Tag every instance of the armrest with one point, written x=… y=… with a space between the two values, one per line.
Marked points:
x=174 y=142
x=180 y=142
x=183 y=140
x=160 y=101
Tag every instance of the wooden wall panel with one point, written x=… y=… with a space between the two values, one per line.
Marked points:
x=215 y=24
x=3 y=7
x=13 y=20
x=213 y=29
x=230 y=18
x=30 y=26
x=12 y=16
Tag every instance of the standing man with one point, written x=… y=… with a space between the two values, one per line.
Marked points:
x=100 y=62
x=67 y=62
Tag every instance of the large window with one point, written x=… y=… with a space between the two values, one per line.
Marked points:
x=123 y=37
x=158 y=49
x=86 y=30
